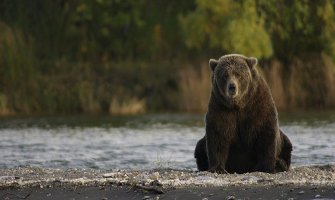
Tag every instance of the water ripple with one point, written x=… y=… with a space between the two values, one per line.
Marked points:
x=146 y=145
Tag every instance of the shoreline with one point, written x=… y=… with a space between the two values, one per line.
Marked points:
x=309 y=182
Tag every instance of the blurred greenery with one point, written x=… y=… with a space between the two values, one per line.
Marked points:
x=125 y=57
x=229 y=26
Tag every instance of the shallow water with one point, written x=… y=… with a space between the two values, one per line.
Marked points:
x=141 y=142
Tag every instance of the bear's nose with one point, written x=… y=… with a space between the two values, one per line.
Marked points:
x=232 y=89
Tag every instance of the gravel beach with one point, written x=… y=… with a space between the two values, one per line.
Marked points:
x=307 y=182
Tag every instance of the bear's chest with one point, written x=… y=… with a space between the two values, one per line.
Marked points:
x=244 y=133
x=240 y=128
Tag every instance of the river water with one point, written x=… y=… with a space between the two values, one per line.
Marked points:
x=141 y=142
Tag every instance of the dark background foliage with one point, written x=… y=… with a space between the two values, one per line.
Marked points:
x=125 y=57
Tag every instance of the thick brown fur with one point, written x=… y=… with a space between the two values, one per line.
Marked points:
x=242 y=133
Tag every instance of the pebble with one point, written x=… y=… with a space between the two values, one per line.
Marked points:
x=155 y=176
x=317 y=196
x=301 y=192
x=230 y=198
x=168 y=178
x=146 y=197
x=110 y=175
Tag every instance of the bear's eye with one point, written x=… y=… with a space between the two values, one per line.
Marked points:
x=225 y=75
x=221 y=73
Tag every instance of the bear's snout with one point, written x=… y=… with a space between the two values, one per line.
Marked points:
x=232 y=89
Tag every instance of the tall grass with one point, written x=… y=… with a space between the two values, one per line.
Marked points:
x=129 y=106
x=195 y=86
x=18 y=70
x=273 y=73
x=311 y=82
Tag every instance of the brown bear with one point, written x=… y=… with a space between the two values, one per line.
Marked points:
x=242 y=131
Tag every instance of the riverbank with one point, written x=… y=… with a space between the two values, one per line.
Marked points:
x=300 y=183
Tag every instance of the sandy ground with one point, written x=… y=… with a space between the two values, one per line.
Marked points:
x=311 y=182
x=202 y=193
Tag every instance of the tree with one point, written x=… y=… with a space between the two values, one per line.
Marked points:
x=298 y=28
x=232 y=26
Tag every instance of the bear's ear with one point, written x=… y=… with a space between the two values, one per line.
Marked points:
x=213 y=63
x=252 y=62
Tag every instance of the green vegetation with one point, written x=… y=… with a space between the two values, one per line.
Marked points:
x=112 y=56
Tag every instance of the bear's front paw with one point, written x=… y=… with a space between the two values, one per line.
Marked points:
x=218 y=169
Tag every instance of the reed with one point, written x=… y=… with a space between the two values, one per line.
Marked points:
x=18 y=69
x=311 y=82
x=194 y=86
x=274 y=77
x=130 y=106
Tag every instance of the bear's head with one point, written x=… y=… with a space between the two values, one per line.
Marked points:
x=233 y=76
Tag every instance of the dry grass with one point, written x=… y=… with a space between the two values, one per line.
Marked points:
x=311 y=82
x=88 y=101
x=330 y=82
x=274 y=77
x=4 y=105
x=195 y=86
x=126 y=107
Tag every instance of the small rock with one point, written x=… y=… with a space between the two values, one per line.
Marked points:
x=109 y=175
x=146 y=197
x=230 y=198
x=156 y=183
x=155 y=176
x=204 y=178
x=301 y=192
x=205 y=198
x=49 y=194
x=147 y=181
x=317 y=196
